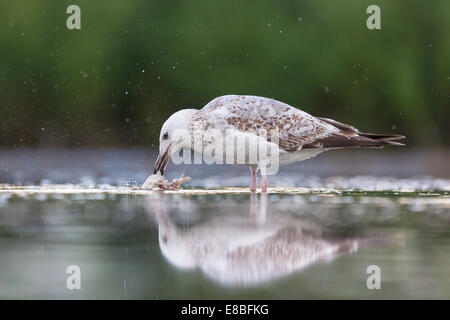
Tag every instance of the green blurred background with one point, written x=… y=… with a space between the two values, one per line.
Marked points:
x=133 y=63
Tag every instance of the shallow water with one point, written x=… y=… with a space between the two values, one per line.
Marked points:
x=313 y=236
x=140 y=244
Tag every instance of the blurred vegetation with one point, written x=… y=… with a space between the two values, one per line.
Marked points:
x=133 y=63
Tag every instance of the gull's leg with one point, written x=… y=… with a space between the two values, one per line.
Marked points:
x=253 y=173
x=264 y=183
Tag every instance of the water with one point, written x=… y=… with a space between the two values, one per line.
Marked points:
x=315 y=241
x=306 y=245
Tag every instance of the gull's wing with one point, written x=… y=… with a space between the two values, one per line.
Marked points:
x=293 y=128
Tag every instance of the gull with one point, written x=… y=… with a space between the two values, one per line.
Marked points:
x=265 y=124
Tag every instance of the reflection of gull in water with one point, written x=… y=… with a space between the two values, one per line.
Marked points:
x=245 y=250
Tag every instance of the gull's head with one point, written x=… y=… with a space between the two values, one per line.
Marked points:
x=172 y=137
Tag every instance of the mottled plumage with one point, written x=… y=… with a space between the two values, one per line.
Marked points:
x=294 y=135
x=297 y=129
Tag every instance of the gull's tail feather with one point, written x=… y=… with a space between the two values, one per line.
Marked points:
x=351 y=137
x=359 y=140
x=384 y=139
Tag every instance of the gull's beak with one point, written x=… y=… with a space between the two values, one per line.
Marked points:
x=162 y=161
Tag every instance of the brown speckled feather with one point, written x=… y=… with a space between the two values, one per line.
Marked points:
x=294 y=128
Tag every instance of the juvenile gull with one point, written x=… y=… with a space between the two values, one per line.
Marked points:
x=291 y=134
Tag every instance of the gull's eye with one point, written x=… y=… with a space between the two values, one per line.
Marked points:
x=166 y=136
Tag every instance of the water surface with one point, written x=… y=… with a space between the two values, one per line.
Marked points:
x=308 y=244
x=324 y=222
